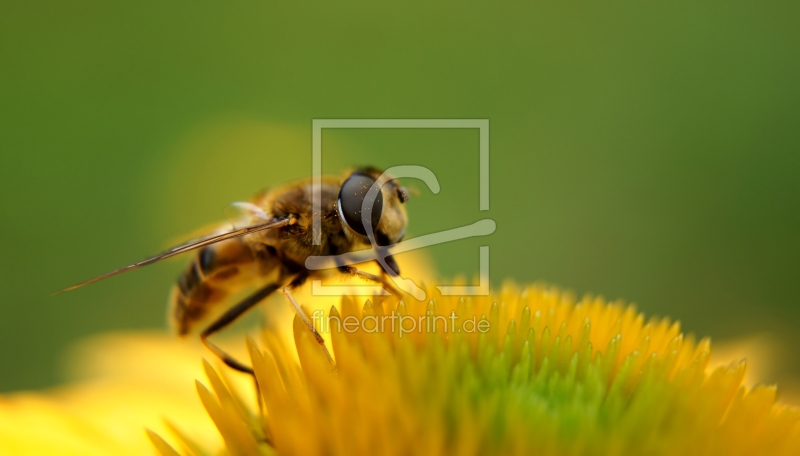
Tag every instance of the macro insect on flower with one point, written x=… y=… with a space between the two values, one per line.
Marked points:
x=268 y=246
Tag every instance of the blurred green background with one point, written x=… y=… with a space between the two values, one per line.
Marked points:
x=648 y=151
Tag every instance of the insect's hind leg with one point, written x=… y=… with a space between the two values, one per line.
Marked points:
x=229 y=317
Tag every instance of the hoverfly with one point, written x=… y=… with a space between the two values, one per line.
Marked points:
x=269 y=247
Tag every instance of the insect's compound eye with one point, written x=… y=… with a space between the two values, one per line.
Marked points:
x=351 y=198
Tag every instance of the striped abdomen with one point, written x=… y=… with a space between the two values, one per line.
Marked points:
x=215 y=273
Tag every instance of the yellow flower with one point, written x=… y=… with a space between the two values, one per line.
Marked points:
x=526 y=371
x=127 y=381
x=548 y=376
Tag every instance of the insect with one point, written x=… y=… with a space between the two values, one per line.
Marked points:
x=268 y=247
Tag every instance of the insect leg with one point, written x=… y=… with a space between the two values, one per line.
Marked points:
x=383 y=280
x=227 y=318
x=287 y=291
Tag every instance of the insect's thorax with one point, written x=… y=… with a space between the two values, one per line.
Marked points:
x=295 y=243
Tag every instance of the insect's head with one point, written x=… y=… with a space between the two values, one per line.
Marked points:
x=388 y=214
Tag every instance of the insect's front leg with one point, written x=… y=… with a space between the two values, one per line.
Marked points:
x=384 y=280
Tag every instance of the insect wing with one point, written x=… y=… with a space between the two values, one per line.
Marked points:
x=186 y=247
